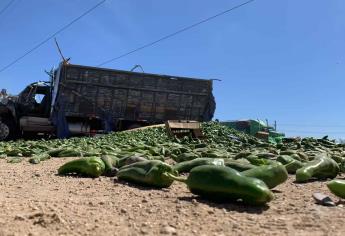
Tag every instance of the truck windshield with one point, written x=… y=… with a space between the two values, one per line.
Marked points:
x=35 y=100
x=39 y=98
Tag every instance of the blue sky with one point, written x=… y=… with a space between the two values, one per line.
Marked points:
x=278 y=60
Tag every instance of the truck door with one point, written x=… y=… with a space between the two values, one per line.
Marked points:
x=35 y=101
x=34 y=109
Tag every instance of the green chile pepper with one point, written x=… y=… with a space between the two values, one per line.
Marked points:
x=272 y=175
x=285 y=159
x=200 y=145
x=303 y=156
x=238 y=165
x=290 y=163
x=69 y=153
x=37 y=159
x=242 y=154
x=14 y=153
x=342 y=167
x=149 y=173
x=186 y=166
x=293 y=166
x=87 y=166
x=14 y=159
x=130 y=160
x=338 y=158
x=220 y=183
x=337 y=187
x=55 y=152
x=187 y=156
x=110 y=163
x=297 y=157
x=321 y=167
x=90 y=154
x=65 y=153
x=288 y=152
x=254 y=160
x=213 y=154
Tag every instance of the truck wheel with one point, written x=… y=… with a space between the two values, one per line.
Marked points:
x=7 y=130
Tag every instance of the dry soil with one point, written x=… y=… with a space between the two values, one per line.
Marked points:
x=35 y=201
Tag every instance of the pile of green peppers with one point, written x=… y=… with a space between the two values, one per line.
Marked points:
x=141 y=156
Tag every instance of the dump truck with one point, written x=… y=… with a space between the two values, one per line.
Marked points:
x=257 y=128
x=83 y=100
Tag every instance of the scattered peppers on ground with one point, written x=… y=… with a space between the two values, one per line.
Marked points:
x=141 y=157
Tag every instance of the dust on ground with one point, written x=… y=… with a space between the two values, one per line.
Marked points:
x=35 y=201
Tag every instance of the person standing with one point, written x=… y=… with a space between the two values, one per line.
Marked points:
x=3 y=93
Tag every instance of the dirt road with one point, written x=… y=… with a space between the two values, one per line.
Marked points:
x=35 y=201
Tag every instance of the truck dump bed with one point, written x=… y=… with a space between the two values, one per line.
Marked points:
x=89 y=91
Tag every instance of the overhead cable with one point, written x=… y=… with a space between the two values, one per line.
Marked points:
x=51 y=36
x=175 y=33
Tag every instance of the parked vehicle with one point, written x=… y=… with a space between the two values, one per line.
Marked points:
x=83 y=100
x=257 y=128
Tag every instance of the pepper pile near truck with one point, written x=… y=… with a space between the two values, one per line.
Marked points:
x=226 y=165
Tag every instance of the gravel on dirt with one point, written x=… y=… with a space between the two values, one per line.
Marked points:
x=34 y=200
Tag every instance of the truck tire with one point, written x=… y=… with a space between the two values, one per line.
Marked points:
x=7 y=130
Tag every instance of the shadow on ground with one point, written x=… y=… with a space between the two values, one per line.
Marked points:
x=228 y=206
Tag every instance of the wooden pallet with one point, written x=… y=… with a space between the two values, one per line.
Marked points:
x=182 y=128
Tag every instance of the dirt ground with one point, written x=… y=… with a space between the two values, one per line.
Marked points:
x=35 y=201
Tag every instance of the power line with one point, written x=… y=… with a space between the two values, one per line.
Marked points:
x=7 y=6
x=175 y=33
x=52 y=36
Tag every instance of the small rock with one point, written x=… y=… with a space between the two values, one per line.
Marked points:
x=36 y=215
x=323 y=199
x=211 y=211
x=143 y=231
x=150 y=210
x=168 y=230
x=19 y=217
x=123 y=211
x=235 y=226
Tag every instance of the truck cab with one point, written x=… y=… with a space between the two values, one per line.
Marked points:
x=257 y=128
x=35 y=100
x=26 y=113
